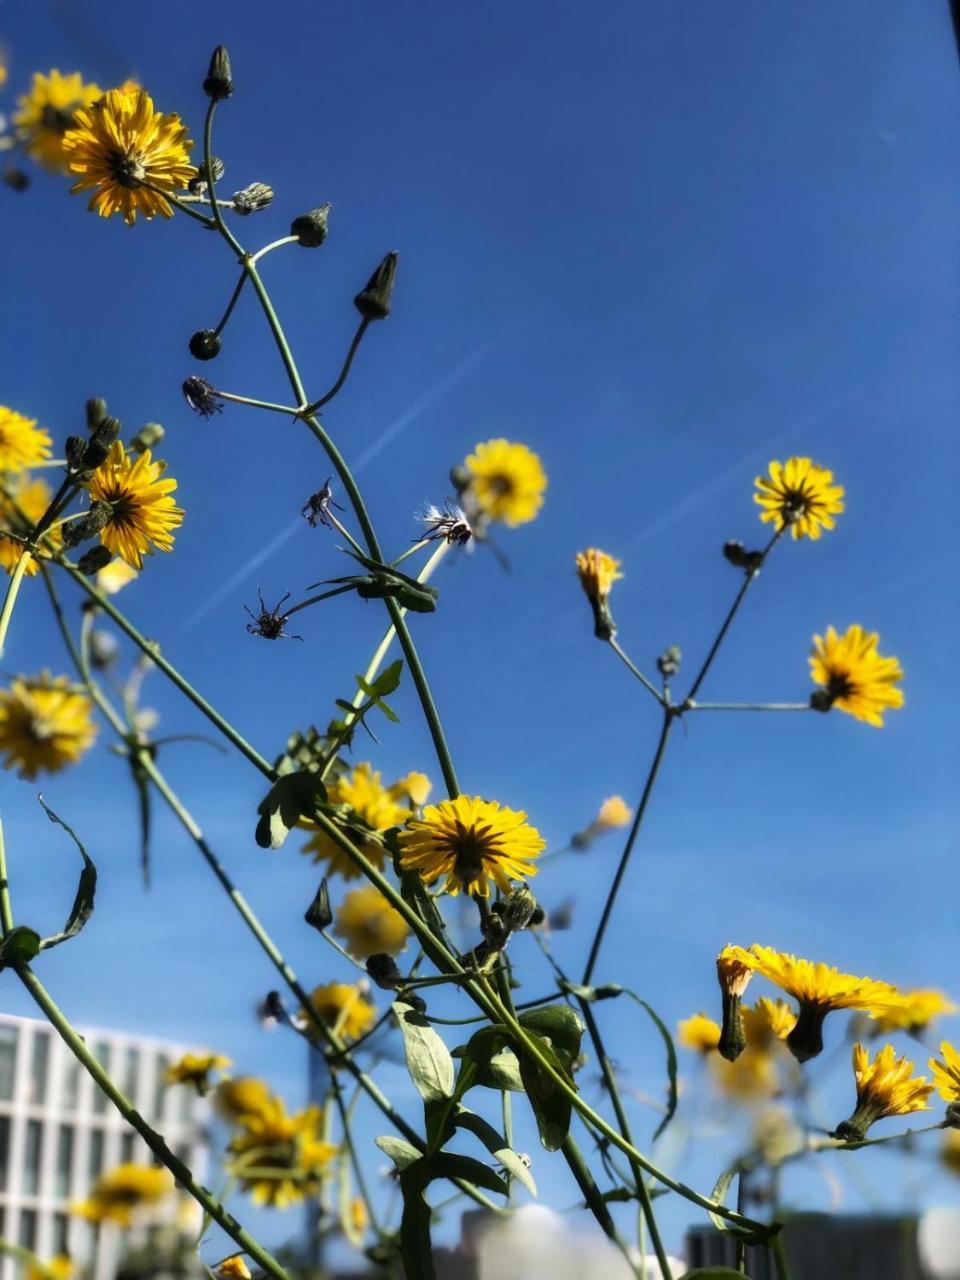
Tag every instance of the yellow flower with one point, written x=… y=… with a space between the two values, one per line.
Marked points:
x=614 y=812
x=853 y=675
x=918 y=1010
x=507 y=481
x=752 y=1077
x=471 y=841
x=244 y=1096
x=114 y=576
x=374 y=808
x=129 y=154
x=801 y=495
x=767 y=1022
x=946 y=1074
x=345 y=1009
x=416 y=787
x=28 y=501
x=285 y=1154
x=597 y=572
x=48 y=111
x=950 y=1150
x=22 y=443
x=359 y=1218
x=196 y=1069
x=44 y=724
x=58 y=1268
x=143 y=511
x=885 y=1087
x=232 y=1268
x=699 y=1033
x=369 y=925
x=117 y=1195
x=818 y=988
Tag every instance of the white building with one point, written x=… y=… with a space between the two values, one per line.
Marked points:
x=59 y=1132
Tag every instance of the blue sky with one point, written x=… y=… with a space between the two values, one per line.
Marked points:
x=661 y=244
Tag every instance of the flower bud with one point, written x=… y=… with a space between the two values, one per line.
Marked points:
x=105 y=434
x=205 y=344
x=96 y=412
x=311 y=228
x=75 y=449
x=460 y=477
x=318 y=915
x=738 y=555
x=219 y=82
x=668 y=664
x=821 y=700
x=733 y=976
x=952 y=1119
x=86 y=526
x=518 y=909
x=103 y=646
x=198 y=183
x=383 y=971
x=148 y=437
x=15 y=178
x=94 y=560
x=252 y=199
x=373 y=301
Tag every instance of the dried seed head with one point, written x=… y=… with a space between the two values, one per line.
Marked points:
x=201 y=396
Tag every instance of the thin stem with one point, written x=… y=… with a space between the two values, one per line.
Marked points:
x=345 y=371
x=287 y=410
x=10 y=599
x=748 y=580
x=594 y=1200
x=668 y=719
x=351 y=1148
x=221 y=226
x=741 y=1243
x=153 y=653
x=154 y=1140
x=746 y=706
x=274 y=244
x=6 y=908
x=183 y=206
x=324 y=595
x=234 y=299
x=632 y=667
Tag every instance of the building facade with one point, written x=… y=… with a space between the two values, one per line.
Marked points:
x=59 y=1132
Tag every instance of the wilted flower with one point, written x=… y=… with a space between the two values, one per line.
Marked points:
x=201 y=396
x=733 y=975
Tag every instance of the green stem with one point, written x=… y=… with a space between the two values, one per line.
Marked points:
x=234 y=299
x=287 y=410
x=780 y=1257
x=344 y=372
x=668 y=718
x=274 y=244
x=351 y=1148
x=745 y=706
x=594 y=1200
x=215 y=209
x=632 y=667
x=6 y=909
x=154 y=1140
x=10 y=599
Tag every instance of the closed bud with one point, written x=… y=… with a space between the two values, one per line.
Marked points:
x=103 y=646
x=148 y=437
x=94 y=560
x=219 y=82
x=518 y=909
x=75 y=448
x=86 y=526
x=198 y=183
x=311 y=228
x=952 y=1119
x=105 y=434
x=252 y=199
x=205 y=345
x=96 y=412
x=383 y=971
x=318 y=915
x=460 y=478
x=373 y=301
x=821 y=700
x=15 y=178
x=738 y=555
x=668 y=664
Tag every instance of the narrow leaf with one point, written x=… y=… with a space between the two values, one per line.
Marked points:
x=672 y=1092
x=415 y=1247
x=498 y=1147
x=449 y=1164
x=82 y=908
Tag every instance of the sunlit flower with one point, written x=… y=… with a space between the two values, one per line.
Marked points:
x=918 y=1010
x=114 y=576
x=767 y=1021
x=48 y=111
x=369 y=925
x=471 y=841
x=885 y=1087
x=507 y=481
x=28 y=501
x=196 y=1069
x=286 y=1155
x=22 y=443
x=58 y=1268
x=733 y=976
x=946 y=1074
x=243 y=1096
x=130 y=155
x=699 y=1033
x=818 y=989
x=800 y=495
x=372 y=808
x=415 y=787
x=232 y=1268
x=45 y=724
x=343 y=1007
x=144 y=514
x=597 y=572
x=614 y=812
x=853 y=676
x=117 y=1196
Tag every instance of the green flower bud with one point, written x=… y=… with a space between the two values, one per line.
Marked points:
x=75 y=449
x=373 y=301
x=205 y=345
x=311 y=228
x=318 y=915
x=148 y=437
x=94 y=560
x=219 y=82
x=96 y=412
x=104 y=436
x=668 y=664
x=821 y=700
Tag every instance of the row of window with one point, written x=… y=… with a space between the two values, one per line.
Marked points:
x=126 y=1070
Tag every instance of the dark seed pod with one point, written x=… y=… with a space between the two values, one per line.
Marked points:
x=219 y=81
x=311 y=228
x=205 y=345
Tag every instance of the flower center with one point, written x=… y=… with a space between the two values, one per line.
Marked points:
x=127 y=167
x=501 y=485
x=471 y=849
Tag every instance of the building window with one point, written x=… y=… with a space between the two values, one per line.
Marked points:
x=28 y=1228
x=64 y=1161
x=101 y=1052
x=39 y=1067
x=4 y=1151
x=32 y=1153
x=160 y=1089
x=95 y=1154
x=131 y=1072
x=8 y=1061
x=70 y=1084
x=61 y=1233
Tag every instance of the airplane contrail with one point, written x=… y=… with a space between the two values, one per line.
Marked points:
x=373 y=450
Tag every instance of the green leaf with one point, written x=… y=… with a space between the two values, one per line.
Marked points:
x=551 y=1106
x=20 y=944
x=292 y=796
x=672 y=1092
x=401 y=1152
x=389 y=679
x=450 y=1164
x=504 y=1072
x=387 y=710
x=82 y=908
x=719 y=1193
x=497 y=1146
x=415 y=1247
x=428 y=1058
x=559 y=1024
